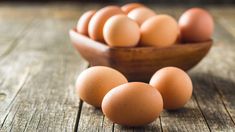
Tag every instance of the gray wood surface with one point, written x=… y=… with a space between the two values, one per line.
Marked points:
x=38 y=68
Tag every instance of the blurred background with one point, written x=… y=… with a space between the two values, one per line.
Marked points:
x=165 y=2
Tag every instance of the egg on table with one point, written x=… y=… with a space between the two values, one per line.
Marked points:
x=121 y=31
x=96 y=24
x=196 y=25
x=93 y=83
x=174 y=85
x=132 y=104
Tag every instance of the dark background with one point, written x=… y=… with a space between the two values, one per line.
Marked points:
x=164 y=2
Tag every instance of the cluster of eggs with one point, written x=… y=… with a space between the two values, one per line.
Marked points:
x=135 y=24
x=134 y=103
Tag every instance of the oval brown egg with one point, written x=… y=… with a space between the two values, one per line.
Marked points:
x=96 y=24
x=121 y=31
x=141 y=14
x=129 y=7
x=82 y=25
x=174 y=85
x=93 y=83
x=196 y=25
x=132 y=104
x=159 y=31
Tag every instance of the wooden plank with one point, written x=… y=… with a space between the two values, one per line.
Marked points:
x=211 y=104
x=213 y=79
x=186 y=119
x=50 y=59
x=45 y=100
x=226 y=18
x=11 y=32
x=92 y=119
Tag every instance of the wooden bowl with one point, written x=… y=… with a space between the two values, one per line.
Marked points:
x=139 y=63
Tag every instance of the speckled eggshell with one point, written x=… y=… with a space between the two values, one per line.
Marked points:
x=174 y=85
x=132 y=104
x=96 y=24
x=93 y=83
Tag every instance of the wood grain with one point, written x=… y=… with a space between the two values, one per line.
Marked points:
x=38 y=68
x=45 y=97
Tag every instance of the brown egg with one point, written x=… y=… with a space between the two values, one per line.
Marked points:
x=93 y=83
x=129 y=7
x=196 y=25
x=141 y=14
x=82 y=25
x=95 y=27
x=121 y=31
x=132 y=104
x=174 y=85
x=159 y=31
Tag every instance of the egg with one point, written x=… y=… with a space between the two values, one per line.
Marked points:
x=196 y=25
x=132 y=104
x=82 y=25
x=129 y=7
x=159 y=31
x=174 y=85
x=93 y=83
x=141 y=14
x=96 y=24
x=121 y=31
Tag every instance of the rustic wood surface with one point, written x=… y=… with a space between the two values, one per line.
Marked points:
x=38 y=68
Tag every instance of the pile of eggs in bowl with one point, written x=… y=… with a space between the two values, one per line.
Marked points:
x=138 y=103
x=135 y=24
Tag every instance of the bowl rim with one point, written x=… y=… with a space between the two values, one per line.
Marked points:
x=73 y=32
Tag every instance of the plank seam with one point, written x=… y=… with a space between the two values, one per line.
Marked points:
x=78 y=115
x=31 y=117
x=14 y=117
x=221 y=97
x=160 y=123
x=26 y=77
x=204 y=117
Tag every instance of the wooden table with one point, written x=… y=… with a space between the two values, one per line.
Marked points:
x=38 y=68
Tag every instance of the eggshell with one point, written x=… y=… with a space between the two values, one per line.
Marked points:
x=93 y=83
x=95 y=27
x=159 y=31
x=82 y=25
x=121 y=31
x=141 y=14
x=129 y=7
x=196 y=25
x=132 y=104
x=174 y=85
